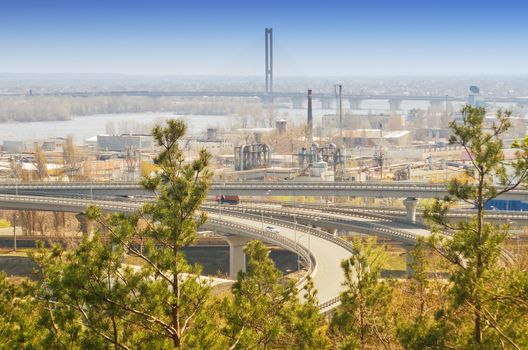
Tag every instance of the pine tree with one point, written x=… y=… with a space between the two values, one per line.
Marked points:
x=476 y=246
x=18 y=327
x=363 y=320
x=265 y=312
x=92 y=295
x=416 y=323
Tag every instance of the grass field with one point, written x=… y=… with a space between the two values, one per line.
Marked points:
x=17 y=265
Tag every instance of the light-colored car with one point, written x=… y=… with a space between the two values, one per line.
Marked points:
x=272 y=229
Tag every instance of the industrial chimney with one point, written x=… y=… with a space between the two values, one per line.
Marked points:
x=309 y=127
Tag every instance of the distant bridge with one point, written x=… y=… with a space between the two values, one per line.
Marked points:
x=268 y=96
x=264 y=95
x=296 y=98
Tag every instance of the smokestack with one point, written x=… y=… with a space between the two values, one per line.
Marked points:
x=309 y=128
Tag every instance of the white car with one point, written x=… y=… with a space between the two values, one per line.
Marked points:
x=272 y=229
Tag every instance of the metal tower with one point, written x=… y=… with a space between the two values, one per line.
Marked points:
x=269 y=60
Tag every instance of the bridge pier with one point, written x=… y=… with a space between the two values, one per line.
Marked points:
x=437 y=106
x=410 y=205
x=354 y=103
x=331 y=230
x=521 y=104
x=297 y=102
x=237 y=257
x=326 y=103
x=266 y=99
x=395 y=105
x=85 y=224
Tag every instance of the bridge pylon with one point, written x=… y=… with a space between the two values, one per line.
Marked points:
x=268 y=33
x=354 y=103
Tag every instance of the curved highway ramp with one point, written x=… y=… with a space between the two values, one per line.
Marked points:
x=325 y=250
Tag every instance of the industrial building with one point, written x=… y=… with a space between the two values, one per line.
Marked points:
x=13 y=146
x=373 y=137
x=211 y=143
x=120 y=143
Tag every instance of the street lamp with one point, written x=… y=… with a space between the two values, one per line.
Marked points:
x=262 y=211
x=220 y=202
x=91 y=180
x=303 y=235
x=517 y=237
x=295 y=240
x=18 y=174
x=14 y=233
x=518 y=246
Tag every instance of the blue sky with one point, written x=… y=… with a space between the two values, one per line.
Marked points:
x=227 y=37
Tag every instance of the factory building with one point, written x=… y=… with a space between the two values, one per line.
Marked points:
x=211 y=143
x=372 y=137
x=120 y=143
x=13 y=146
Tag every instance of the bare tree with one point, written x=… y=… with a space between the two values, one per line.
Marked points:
x=69 y=152
x=16 y=167
x=269 y=116
x=41 y=163
x=110 y=128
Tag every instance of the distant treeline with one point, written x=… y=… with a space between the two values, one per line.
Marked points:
x=50 y=108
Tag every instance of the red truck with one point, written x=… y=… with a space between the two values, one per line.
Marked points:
x=227 y=199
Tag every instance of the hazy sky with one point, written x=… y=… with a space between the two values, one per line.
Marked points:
x=227 y=37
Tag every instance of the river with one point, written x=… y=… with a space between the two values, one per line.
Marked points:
x=88 y=126
x=84 y=127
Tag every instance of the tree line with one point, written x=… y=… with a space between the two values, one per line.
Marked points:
x=90 y=298
x=51 y=108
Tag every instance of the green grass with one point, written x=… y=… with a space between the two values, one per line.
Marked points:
x=395 y=261
x=17 y=266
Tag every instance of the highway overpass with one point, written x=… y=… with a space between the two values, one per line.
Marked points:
x=386 y=228
x=322 y=252
x=261 y=188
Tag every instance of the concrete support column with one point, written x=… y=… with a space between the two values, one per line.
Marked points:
x=266 y=99
x=395 y=105
x=331 y=230
x=437 y=106
x=85 y=224
x=354 y=103
x=521 y=105
x=297 y=103
x=326 y=103
x=237 y=258
x=410 y=205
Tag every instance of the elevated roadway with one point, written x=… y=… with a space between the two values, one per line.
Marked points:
x=394 y=229
x=282 y=188
x=514 y=218
x=398 y=231
x=267 y=96
x=322 y=251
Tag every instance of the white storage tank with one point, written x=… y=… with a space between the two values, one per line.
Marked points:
x=319 y=168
